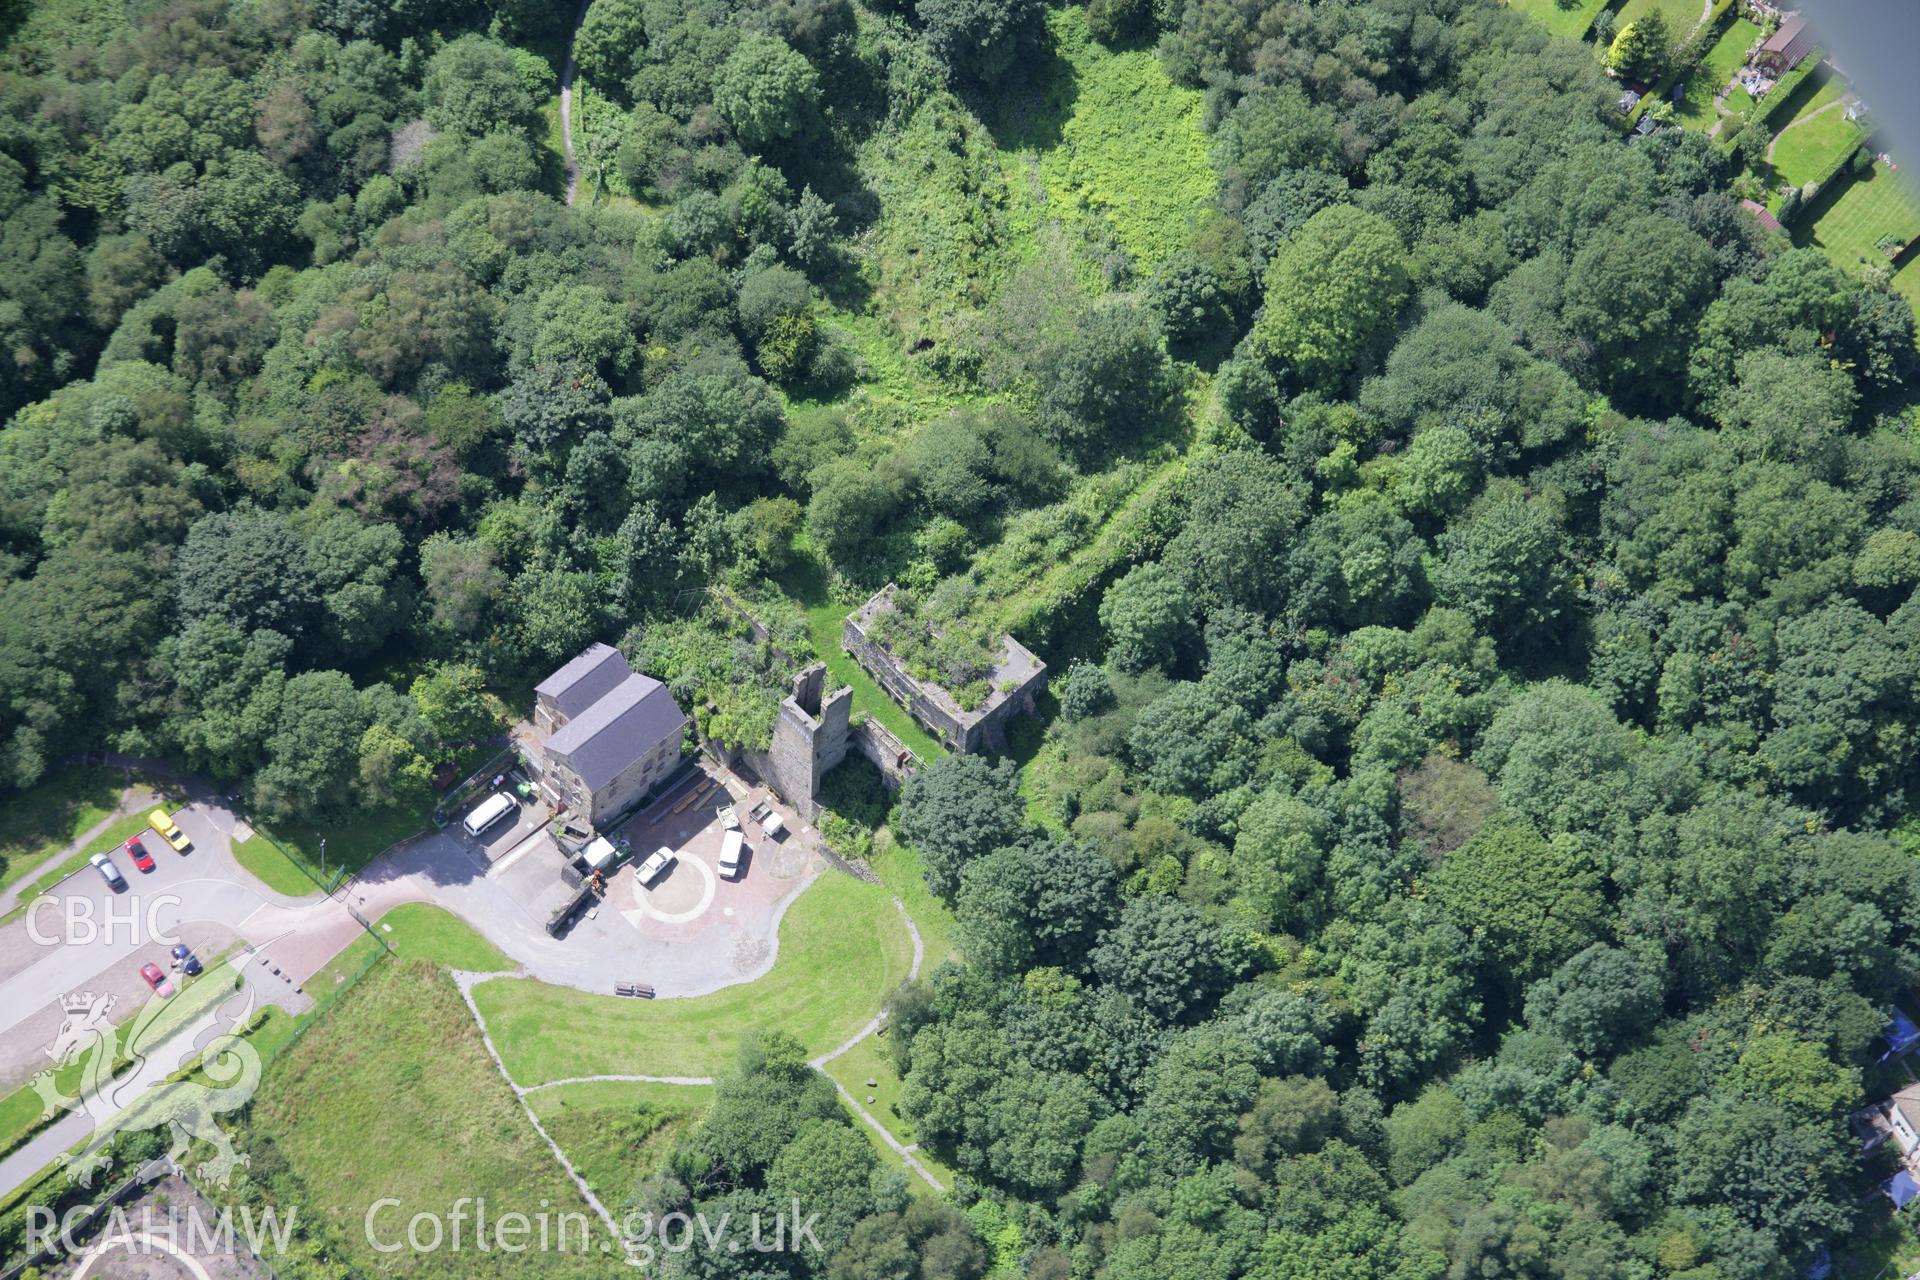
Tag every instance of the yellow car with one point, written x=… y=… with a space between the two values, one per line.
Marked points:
x=169 y=832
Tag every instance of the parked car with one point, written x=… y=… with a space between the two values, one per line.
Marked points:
x=108 y=872
x=158 y=980
x=655 y=866
x=138 y=852
x=160 y=821
x=183 y=956
x=732 y=847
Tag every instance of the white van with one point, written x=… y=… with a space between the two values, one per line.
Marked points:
x=730 y=850
x=490 y=811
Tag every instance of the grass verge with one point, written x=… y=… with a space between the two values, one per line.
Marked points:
x=21 y=1111
x=419 y=930
x=843 y=949
x=264 y=860
x=46 y=818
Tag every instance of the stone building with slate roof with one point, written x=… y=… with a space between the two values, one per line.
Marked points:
x=611 y=735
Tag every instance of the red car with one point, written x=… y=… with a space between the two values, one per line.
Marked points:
x=138 y=852
x=157 y=980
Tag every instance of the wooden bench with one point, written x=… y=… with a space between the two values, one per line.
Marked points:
x=637 y=990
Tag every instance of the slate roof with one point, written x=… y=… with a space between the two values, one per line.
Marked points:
x=585 y=680
x=625 y=724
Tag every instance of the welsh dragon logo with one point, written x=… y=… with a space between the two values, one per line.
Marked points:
x=134 y=1099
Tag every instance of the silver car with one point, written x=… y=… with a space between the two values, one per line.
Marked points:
x=109 y=872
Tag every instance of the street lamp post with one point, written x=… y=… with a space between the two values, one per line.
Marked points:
x=323 y=858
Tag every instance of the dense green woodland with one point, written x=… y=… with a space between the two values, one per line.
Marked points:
x=1472 y=838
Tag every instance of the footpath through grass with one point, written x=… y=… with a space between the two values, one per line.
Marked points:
x=843 y=949
x=1696 y=110
x=20 y=1111
x=392 y=1095
x=45 y=818
x=109 y=841
x=617 y=1132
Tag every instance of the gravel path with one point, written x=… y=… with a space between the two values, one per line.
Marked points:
x=566 y=105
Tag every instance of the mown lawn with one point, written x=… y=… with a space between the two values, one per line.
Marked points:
x=272 y=867
x=843 y=949
x=351 y=843
x=417 y=930
x=1878 y=204
x=392 y=1094
x=616 y=1132
x=1682 y=15
x=1570 y=20
x=1696 y=110
x=45 y=818
x=898 y=866
x=1811 y=148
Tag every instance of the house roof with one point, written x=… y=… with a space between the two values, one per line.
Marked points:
x=632 y=719
x=1760 y=214
x=1792 y=40
x=1907 y=1103
x=585 y=680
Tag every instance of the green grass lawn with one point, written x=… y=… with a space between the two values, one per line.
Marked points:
x=868 y=1061
x=1571 y=21
x=898 y=866
x=616 y=1132
x=1682 y=15
x=843 y=949
x=272 y=867
x=352 y=842
x=1813 y=148
x=1696 y=110
x=392 y=1094
x=37 y=823
x=806 y=582
x=1863 y=210
x=418 y=930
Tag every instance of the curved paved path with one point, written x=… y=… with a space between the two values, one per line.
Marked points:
x=467 y=980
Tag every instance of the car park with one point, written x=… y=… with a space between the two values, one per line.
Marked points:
x=169 y=831
x=157 y=979
x=655 y=866
x=108 y=872
x=137 y=850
